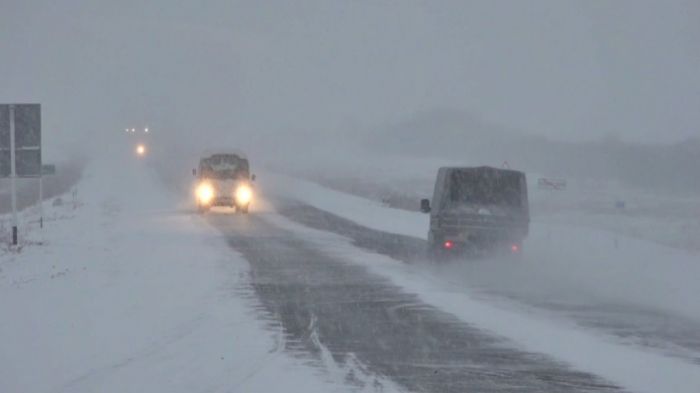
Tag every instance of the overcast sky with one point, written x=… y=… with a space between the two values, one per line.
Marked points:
x=570 y=70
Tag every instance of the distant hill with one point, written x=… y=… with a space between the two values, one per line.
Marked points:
x=463 y=137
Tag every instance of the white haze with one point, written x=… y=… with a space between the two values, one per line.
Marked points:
x=261 y=75
x=358 y=97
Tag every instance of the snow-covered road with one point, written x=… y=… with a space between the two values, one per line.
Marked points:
x=133 y=293
x=327 y=303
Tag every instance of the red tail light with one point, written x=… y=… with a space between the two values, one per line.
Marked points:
x=448 y=244
x=514 y=248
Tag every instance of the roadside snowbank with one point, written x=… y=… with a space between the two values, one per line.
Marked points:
x=363 y=211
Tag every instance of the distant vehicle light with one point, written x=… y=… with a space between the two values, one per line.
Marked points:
x=205 y=193
x=141 y=150
x=514 y=248
x=243 y=195
x=133 y=130
x=448 y=245
x=145 y=129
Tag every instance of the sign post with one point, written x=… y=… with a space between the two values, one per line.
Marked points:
x=13 y=175
x=41 y=202
x=20 y=148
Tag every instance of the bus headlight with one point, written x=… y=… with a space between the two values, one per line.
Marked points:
x=205 y=193
x=243 y=195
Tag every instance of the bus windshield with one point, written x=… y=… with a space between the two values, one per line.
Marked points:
x=224 y=166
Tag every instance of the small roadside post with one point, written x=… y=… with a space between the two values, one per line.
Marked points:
x=620 y=207
x=46 y=170
x=41 y=200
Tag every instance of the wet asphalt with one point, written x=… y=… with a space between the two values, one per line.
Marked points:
x=325 y=303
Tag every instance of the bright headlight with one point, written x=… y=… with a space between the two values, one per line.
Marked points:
x=243 y=195
x=205 y=193
x=141 y=149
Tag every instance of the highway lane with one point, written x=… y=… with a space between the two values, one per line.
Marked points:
x=323 y=302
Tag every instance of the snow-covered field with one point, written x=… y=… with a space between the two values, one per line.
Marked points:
x=129 y=292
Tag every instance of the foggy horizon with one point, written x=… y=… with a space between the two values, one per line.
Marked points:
x=568 y=71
